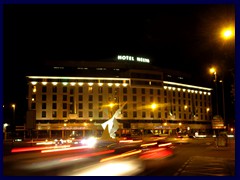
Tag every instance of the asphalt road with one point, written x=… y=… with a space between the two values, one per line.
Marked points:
x=197 y=157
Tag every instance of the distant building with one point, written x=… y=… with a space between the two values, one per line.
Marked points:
x=74 y=98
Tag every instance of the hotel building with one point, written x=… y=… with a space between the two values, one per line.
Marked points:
x=75 y=98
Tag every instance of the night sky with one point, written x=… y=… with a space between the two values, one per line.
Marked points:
x=181 y=37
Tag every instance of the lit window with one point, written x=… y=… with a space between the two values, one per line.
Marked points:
x=34 y=89
x=90 y=89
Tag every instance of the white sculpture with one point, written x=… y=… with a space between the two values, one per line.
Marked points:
x=112 y=123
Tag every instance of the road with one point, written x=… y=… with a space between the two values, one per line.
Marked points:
x=196 y=158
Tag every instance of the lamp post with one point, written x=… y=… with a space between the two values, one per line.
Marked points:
x=13 y=122
x=111 y=105
x=212 y=70
x=153 y=107
x=5 y=130
x=227 y=34
x=223 y=101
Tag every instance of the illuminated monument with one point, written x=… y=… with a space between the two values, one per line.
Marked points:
x=111 y=126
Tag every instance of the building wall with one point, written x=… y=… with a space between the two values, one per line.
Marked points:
x=89 y=103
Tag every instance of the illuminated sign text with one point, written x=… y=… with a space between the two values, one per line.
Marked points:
x=131 y=58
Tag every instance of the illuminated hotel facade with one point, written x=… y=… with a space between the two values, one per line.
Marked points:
x=77 y=97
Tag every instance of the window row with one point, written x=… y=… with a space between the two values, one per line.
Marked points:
x=125 y=91
x=125 y=98
x=125 y=115
x=70 y=106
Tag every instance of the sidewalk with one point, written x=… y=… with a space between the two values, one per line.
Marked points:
x=216 y=161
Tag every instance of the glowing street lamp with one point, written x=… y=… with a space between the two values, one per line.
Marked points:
x=213 y=70
x=5 y=130
x=153 y=106
x=13 y=123
x=227 y=33
x=14 y=107
x=111 y=105
x=185 y=107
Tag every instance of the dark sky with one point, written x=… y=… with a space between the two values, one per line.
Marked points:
x=182 y=37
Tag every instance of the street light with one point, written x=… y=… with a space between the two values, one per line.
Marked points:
x=153 y=106
x=223 y=100
x=13 y=123
x=14 y=107
x=111 y=105
x=5 y=130
x=213 y=70
x=227 y=33
x=185 y=107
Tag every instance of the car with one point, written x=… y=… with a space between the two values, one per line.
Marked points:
x=18 y=139
x=156 y=150
x=58 y=141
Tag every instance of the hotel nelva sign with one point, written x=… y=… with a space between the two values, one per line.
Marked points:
x=132 y=58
